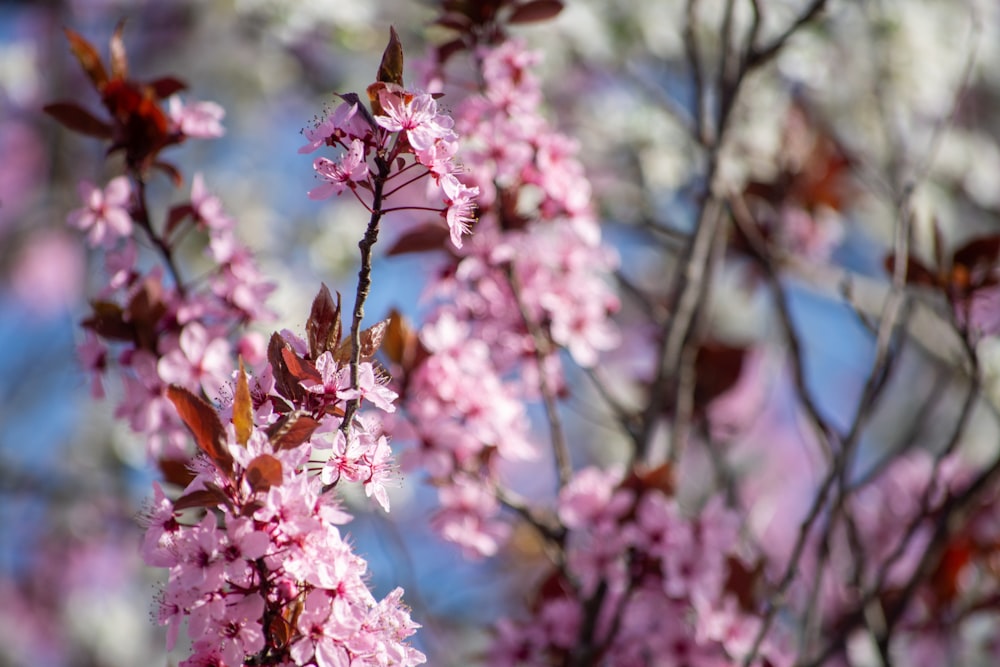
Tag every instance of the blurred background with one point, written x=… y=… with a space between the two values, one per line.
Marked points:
x=73 y=480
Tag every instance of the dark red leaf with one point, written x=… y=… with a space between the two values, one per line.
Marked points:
x=323 y=329
x=978 y=253
x=390 y=70
x=107 y=321
x=119 y=61
x=717 y=368
x=370 y=340
x=172 y=172
x=537 y=10
x=420 y=239
x=78 y=119
x=300 y=369
x=284 y=382
x=264 y=472
x=88 y=58
x=454 y=21
x=176 y=216
x=448 y=49
x=176 y=471
x=166 y=86
x=291 y=430
x=144 y=312
x=402 y=344
x=208 y=497
x=916 y=272
x=203 y=422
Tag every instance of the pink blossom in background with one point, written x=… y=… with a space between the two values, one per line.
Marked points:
x=22 y=169
x=47 y=276
x=198 y=120
x=105 y=215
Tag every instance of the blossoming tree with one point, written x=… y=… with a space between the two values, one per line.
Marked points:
x=609 y=386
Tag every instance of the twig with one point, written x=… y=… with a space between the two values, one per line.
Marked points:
x=364 y=286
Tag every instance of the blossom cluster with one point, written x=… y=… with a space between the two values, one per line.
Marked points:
x=533 y=279
x=409 y=124
x=266 y=571
x=644 y=583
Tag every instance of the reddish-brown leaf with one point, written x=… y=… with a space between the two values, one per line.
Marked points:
x=242 y=407
x=264 y=472
x=420 y=239
x=203 y=422
x=176 y=216
x=916 y=272
x=718 y=367
x=144 y=312
x=370 y=339
x=291 y=430
x=119 y=60
x=284 y=382
x=176 y=471
x=536 y=10
x=88 y=58
x=978 y=253
x=323 y=327
x=390 y=70
x=78 y=119
x=166 y=86
x=172 y=172
x=299 y=368
x=107 y=321
x=211 y=496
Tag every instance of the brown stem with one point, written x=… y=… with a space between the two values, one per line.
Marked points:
x=364 y=286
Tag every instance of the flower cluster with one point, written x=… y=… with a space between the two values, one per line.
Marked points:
x=641 y=579
x=531 y=281
x=374 y=147
x=266 y=575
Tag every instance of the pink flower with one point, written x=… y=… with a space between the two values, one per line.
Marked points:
x=368 y=388
x=335 y=126
x=342 y=175
x=200 y=361
x=416 y=115
x=199 y=120
x=460 y=207
x=208 y=207
x=105 y=215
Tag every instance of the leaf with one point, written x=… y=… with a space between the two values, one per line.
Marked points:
x=291 y=430
x=144 y=312
x=242 y=407
x=166 y=86
x=285 y=384
x=78 y=119
x=299 y=368
x=263 y=473
x=203 y=422
x=371 y=340
x=88 y=58
x=401 y=344
x=717 y=368
x=119 y=61
x=420 y=239
x=916 y=272
x=390 y=70
x=978 y=252
x=211 y=496
x=175 y=471
x=172 y=172
x=176 y=216
x=323 y=329
x=537 y=10
x=108 y=322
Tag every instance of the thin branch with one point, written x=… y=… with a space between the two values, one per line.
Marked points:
x=542 y=349
x=365 y=245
